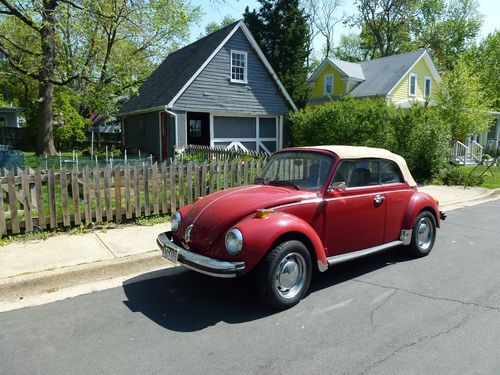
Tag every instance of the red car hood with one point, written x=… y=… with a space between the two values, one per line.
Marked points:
x=216 y=213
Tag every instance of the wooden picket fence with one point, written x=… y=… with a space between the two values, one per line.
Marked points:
x=48 y=199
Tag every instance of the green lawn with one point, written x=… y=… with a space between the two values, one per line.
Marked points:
x=489 y=181
x=33 y=161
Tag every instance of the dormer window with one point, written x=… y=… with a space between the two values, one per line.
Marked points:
x=427 y=87
x=238 y=67
x=328 y=84
x=412 y=85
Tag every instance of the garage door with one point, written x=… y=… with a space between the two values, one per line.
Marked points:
x=246 y=133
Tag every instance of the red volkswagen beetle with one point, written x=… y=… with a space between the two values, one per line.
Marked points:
x=311 y=208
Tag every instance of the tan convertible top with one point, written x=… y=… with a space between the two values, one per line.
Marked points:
x=358 y=152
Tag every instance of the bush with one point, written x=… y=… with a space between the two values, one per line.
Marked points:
x=451 y=175
x=418 y=134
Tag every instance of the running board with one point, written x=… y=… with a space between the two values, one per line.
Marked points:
x=361 y=253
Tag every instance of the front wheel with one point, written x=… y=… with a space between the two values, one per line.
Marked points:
x=285 y=274
x=423 y=235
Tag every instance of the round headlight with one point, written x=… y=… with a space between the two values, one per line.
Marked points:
x=234 y=241
x=176 y=221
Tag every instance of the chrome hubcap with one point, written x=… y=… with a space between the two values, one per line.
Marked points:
x=290 y=275
x=425 y=233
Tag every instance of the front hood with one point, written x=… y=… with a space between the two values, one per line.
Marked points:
x=216 y=213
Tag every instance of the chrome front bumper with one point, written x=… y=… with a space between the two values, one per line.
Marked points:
x=200 y=263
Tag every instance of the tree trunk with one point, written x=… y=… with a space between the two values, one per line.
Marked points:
x=45 y=141
x=45 y=144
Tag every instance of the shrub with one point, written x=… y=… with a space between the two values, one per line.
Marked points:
x=418 y=134
x=451 y=175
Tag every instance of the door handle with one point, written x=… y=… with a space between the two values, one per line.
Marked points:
x=378 y=199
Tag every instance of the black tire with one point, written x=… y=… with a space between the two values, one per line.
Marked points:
x=292 y=261
x=423 y=234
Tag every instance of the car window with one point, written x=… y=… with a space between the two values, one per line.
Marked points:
x=357 y=173
x=389 y=172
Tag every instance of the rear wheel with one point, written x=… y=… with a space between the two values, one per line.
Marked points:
x=423 y=235
x=285 y=274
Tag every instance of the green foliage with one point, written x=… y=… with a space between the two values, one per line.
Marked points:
x=446 y=27
x=452 y=175
x=71 y=128
x=418 y=134
x=484 y=60
x=212 y=27
x=280 y=27
x=349 y=49
x=462 y=102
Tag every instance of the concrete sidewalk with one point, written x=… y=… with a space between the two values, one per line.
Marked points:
x=31 y=267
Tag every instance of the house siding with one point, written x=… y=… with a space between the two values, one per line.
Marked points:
x=148 y=141
x=181 y=128
x=212 y=90
x=400 y=92
x=339 y=85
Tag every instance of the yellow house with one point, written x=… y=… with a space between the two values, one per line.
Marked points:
x=400 y=79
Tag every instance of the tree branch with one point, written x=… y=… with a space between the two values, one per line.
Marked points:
x=17 y=67
x=16 y=13
x=19 y=47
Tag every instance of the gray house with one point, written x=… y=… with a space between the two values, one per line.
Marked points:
x=217 y=91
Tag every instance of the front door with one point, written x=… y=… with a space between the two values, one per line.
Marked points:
x=198 y=127
x=355 y=213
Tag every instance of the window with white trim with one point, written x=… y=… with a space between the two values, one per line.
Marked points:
x=328 y=84
x=412 y=85
x=238 y=66
x=427 y=87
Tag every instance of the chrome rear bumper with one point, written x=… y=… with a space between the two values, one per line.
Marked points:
x=200 y=263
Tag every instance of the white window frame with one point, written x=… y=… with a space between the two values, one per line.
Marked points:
x=324 y=84
x=412 y=75
x=427 y=79
x=245 y=68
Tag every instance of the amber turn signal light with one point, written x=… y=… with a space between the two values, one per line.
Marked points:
x=262 y=213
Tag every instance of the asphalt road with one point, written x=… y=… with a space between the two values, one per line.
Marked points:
x=387 y=314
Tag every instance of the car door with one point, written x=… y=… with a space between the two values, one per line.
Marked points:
x=397 y=195
x=354 y=207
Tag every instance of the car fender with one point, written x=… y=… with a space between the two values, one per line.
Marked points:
x=260 y=234
x=418 y=202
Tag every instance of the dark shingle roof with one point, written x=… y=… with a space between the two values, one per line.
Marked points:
x=173 y=73
x=382 y=74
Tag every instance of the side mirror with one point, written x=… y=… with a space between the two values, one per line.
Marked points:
x=337 y=186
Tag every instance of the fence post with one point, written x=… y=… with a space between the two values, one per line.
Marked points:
x=173 y=194
x=118 y=193
x=3 y=224
x=64 y=198
x=145 y=175
x=203 y=184
x=154 y=182
x=75 y=192
x=97 y=194
x=138 y=205
x=86 y=195
x=189 y=181
x=107 y=193
x=164 y=208
x=39 y=199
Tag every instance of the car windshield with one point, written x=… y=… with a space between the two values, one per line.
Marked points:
x=301 y=170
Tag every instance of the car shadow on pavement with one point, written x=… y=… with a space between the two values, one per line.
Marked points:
x=186 y=301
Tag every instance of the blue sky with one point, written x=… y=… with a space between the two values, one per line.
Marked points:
x=215 y=10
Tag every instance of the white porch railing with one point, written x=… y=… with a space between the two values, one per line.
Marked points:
x=462 y=154
x=476 y=151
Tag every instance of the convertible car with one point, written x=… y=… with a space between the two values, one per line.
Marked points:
x=310 y=209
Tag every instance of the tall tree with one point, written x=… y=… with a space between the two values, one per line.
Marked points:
x=447 y=29
x=484 y=59
x=349 y=49
x=280 y=27
x=324 y=16
x=463 y=102
x=385 y=25
x=86 y=45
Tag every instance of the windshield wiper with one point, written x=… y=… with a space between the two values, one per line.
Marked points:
x=260 y=180
x=283 y=183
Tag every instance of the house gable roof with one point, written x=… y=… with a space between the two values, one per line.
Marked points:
x=383 y=75
x=174 y=75
x=379 y=76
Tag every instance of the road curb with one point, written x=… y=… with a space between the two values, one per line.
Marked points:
x=485 y=197
x=18 y=287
